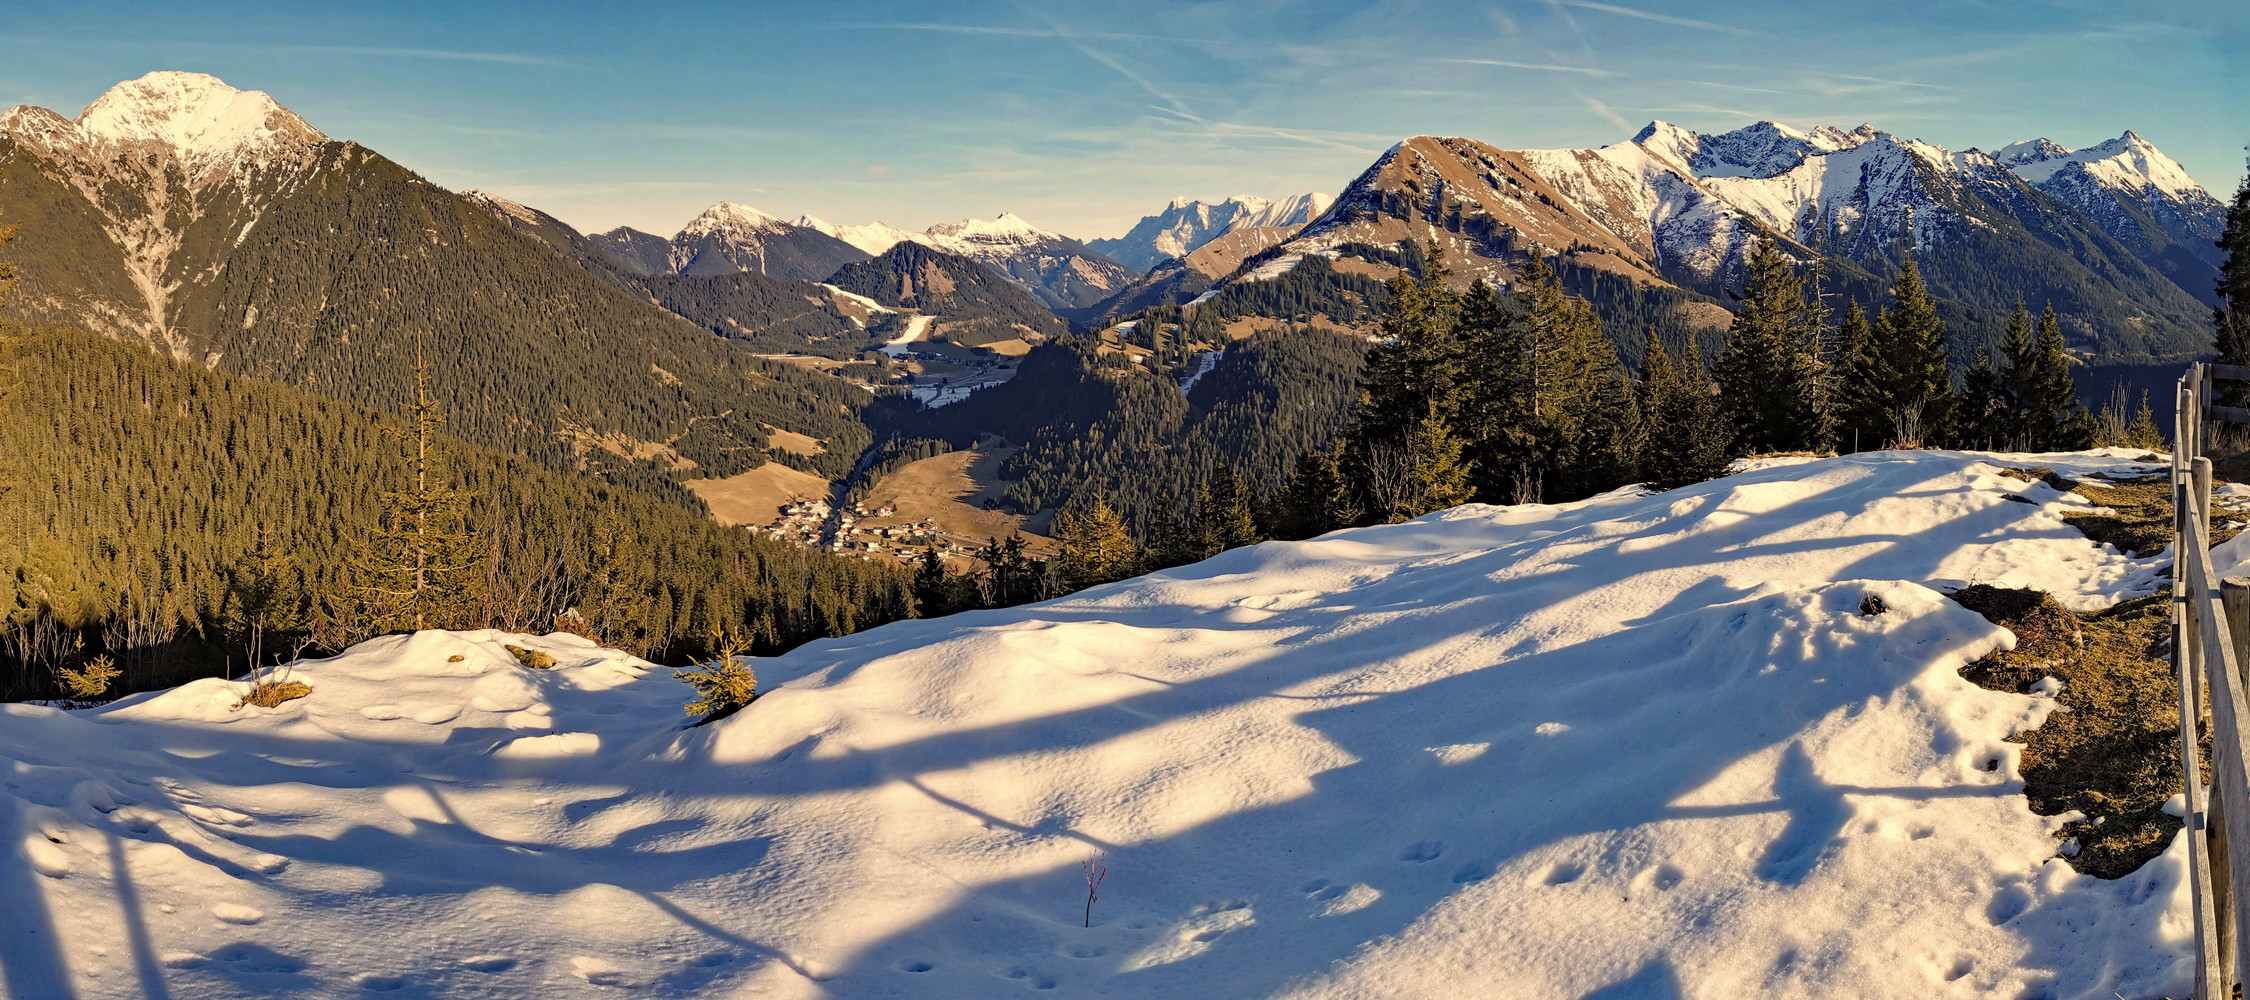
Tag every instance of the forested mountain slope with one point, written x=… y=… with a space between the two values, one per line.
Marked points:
x=144 y=494
x=277 y=253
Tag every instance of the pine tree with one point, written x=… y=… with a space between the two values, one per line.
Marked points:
x=419 y=569
x=1541 y=376
x=1860 y=403
x=1222 y=513
x=1311 y=499
x=2051 y=398
x=1010 y=575
x=1982 y=411
x=1687 y=432
x=1770 y=373
x=1095 y=546
x=2017 y=383
x=1416 y=370
x=1895 y=372
x=933 y=586
x=615 y=598
x=2231 y=320
x=1441 y=478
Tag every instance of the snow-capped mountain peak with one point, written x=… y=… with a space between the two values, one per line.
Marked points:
x=2127 y=164
x=1761 y=149
x=728 y=217
x=875 y=238
x=1007 y=227
x=1188 y=223
x=205 y=123
x=196 y=114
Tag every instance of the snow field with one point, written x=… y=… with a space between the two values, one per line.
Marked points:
x=1632 y=746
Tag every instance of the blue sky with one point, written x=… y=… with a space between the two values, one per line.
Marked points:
x=1084 y=116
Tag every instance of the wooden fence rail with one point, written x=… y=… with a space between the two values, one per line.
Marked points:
x=2208 y=614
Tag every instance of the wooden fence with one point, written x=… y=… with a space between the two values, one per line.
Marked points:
x=2207 y=615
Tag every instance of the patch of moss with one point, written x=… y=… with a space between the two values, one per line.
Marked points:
x=2111 y=749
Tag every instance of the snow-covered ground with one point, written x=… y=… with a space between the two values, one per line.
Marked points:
x=1637 y=746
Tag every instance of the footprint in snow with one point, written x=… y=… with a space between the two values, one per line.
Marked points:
x=383 y=713
x=488 y=963
x=1422 y=850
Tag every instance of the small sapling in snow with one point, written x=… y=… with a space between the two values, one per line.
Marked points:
x=726 y=683
x=1095 y=873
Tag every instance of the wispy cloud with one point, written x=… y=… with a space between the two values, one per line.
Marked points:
x=1603 y=112
x=1548 y=67
x=509 y=58
x=1681 y=22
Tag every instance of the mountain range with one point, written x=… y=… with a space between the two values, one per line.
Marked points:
x=1186 y=225
x=217 y=226
x=2115 y=236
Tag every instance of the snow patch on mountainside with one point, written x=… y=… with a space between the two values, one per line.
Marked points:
x=1647 y=744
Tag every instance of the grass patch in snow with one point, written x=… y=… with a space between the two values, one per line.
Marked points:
x=2136 y=515
x=2112 y=749
x=270 y=694
x=532 y=658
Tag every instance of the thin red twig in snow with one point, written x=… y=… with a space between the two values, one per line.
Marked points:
x=1094 y=876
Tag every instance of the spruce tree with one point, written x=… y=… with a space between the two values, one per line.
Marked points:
x=1914 y=337
x=2231 y=320
x=1416 y=370
x=1311 y=499
x=1222 y=513
x=1770 y=373
x=1169 y=541
x=933 y=586
x=1441 y=478
x=1095 y=546
x=1011 y=577
x=1895 y=380
x=2020 y=354
x=614 y=601
x=1687 y=432
x=1860 y=401
x=1982 y=411
x=2051 y=401
x=420 y=568
x=1542 y=373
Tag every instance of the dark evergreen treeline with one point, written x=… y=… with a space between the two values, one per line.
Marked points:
x=769 y=314
x=974 y=304
x=150 y=499
x=1091 y=423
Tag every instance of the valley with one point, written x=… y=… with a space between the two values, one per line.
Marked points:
x=1733 y=560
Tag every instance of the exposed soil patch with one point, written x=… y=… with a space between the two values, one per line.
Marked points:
x=2111 y=750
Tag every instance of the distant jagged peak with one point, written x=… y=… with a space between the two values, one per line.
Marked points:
x=729 y=218
x=2128 y=163
x=1006 y=227
x=1760 y=149
x=874 y=238
x=198 y=116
